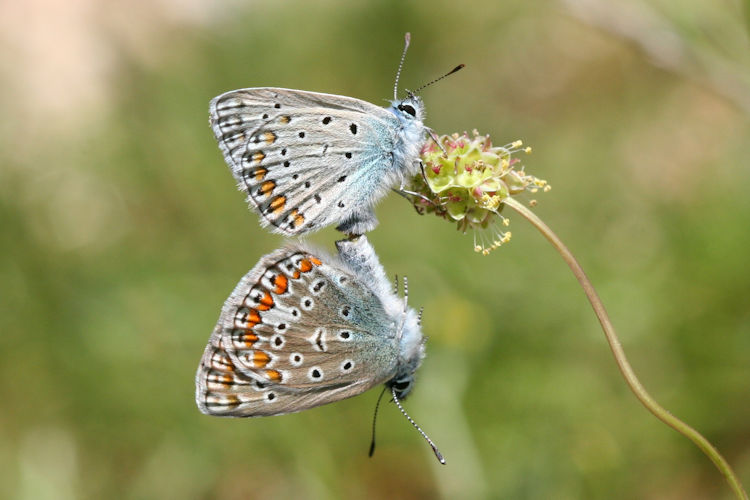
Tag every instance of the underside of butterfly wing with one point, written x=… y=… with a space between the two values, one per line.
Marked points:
x=298 y=331
x=307 y=160
x=223 y=390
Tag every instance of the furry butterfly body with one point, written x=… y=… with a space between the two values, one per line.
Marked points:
x=302 y=329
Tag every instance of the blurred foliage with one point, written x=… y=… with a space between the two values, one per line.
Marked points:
x=123 y=233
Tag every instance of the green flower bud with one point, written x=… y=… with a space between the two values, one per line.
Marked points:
x=465 y=179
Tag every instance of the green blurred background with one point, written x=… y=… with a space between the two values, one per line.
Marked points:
x=123 y=233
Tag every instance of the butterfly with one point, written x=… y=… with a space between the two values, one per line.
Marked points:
x=302 y=329
x=307 y=160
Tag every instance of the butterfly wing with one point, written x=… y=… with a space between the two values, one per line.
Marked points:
x=298 y=331
x=306 y=159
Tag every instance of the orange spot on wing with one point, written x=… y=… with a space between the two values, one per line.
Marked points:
x=247 y=325
x=281 y=283
x=284 y=119
x=266 y=302
x=247 y=321
x=315 y=260
x=260 y=173
x=260 y=359
x=273 y=375
x=277 y=204
x=267 y=187
x=269 y=137
x=299 y=219
x=305 y=265
x=258 y=156
x=295 y=274
x=254 y=316
x=249 y=339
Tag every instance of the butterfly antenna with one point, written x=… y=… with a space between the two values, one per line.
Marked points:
x=419 y=317
x=395 y=284
x=407 y=39
x=457 y=68
x=406 y=293
x=374 y=419
x=403 y=412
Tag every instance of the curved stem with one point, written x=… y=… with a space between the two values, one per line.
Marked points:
x=622 y=362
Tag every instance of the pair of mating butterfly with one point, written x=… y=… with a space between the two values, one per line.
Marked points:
x=301 y=329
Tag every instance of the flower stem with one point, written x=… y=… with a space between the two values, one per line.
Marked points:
x=622 y=362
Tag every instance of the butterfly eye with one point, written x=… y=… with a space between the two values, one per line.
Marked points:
x=407 y=108
x=401 y=386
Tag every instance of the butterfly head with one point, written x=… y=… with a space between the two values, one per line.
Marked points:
x=411 y=110
x=408 y=110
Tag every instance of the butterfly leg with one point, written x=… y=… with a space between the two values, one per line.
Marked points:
x=435 y=138
x=424 y=174
x=405 y=193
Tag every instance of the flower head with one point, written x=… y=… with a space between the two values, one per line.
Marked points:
x=465 y=179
